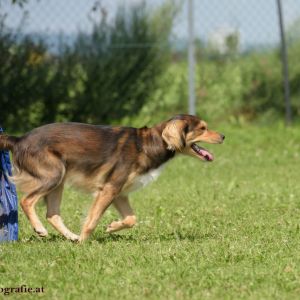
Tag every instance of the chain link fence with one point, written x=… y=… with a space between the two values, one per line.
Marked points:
x=243 y=31
x=238 y=75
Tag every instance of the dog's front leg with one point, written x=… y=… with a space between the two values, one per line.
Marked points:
x=102 y=201
x=122 y=205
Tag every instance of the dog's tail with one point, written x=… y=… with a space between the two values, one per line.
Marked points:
x=8 y=142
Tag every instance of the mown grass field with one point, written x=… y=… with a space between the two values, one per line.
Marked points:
x=223 y=230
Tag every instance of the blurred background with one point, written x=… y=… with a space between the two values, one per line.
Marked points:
x=134 y=62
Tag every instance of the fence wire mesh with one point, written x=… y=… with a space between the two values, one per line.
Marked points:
x=237 y=44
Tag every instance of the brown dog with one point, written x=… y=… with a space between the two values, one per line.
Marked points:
x=108 y=161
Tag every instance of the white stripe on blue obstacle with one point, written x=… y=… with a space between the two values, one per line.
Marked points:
x=8 y=201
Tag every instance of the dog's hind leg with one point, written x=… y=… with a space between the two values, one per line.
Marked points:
x=28 y=205
x=122 y=205
x=53 y=200
x=37 y=183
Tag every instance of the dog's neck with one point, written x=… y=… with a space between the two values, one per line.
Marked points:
x=154 y=146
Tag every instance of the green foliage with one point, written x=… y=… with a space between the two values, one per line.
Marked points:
x=222 y=230
x=101 y=78
x=231 y=89
x=122 y=73
x=247 y=88
x=22 y=78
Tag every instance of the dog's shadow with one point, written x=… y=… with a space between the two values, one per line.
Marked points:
x=105 y=238
x=108 y=238
x=36 y=239
x=172 y=236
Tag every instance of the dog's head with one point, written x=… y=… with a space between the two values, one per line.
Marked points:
x=183 y=132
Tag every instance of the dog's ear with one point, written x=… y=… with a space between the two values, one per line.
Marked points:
x=174 y=134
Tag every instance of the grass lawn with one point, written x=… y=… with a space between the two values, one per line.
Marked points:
x=223 y=230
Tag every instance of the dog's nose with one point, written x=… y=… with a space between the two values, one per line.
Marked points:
x=222 y=136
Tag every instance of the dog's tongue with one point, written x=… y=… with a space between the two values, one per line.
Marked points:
x=208 y=156
x=203 y=152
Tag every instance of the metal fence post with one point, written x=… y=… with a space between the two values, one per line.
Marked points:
x=191 y=57
x=285 y=66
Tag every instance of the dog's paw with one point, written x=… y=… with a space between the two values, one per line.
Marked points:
x=41 y=232
x=73 y=237
x=115 y=226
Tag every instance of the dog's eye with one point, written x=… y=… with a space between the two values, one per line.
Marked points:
x=203 y=128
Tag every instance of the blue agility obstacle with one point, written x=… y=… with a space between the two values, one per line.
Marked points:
x=8 y=201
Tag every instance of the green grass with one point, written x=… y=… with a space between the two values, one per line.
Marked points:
x=225 y=230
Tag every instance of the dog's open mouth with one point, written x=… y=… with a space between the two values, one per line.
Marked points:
x=203 y=153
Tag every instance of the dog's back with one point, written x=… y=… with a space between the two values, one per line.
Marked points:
x=45 y=155
x=87 y=155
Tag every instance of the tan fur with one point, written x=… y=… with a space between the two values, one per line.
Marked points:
x=28 y=205
x=102 y=200
x=24 y=181
x=122 y=205
x=53 y=200
x=174 y=135
x=27 y=183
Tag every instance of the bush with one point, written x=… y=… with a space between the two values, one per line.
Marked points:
x=239 y=89
x=122 y=73
x=102 y=77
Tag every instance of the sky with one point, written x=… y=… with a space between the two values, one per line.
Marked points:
x=255 y=20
